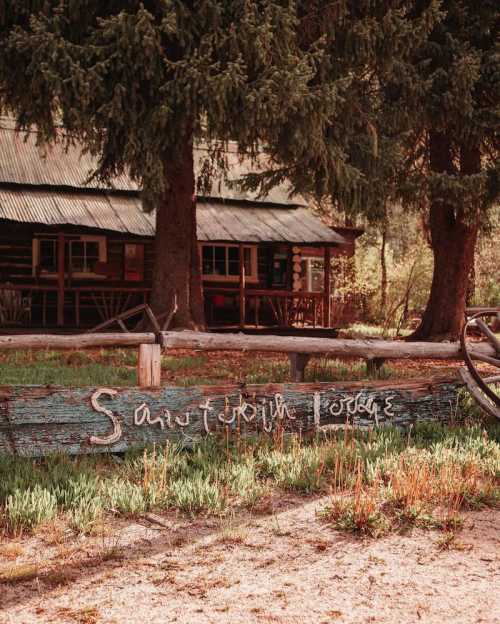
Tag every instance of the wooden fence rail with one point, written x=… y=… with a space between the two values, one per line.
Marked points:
x=299 y=348
x=338 y=347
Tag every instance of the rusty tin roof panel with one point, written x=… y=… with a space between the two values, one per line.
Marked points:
x=23 y=162
x=121 y=213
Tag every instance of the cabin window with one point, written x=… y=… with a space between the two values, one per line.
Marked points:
x=48 y=255
x=313 y=274
x=222 y=262
x=279 y=270
x=82 y=254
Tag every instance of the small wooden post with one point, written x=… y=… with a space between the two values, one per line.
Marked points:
x=326 y=287
x=374 y=365
x=149 y=366
x=298 y=363
x=60 y=279
x=242 y=287
x=289 y=268
x=44 y=308
x=77 y=308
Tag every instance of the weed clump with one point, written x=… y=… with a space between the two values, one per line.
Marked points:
x=26 y=509
x=377 y=481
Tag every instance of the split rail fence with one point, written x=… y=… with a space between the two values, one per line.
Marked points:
x=299 y=348
x=36 y=420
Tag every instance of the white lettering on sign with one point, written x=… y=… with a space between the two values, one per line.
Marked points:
x=142 y=415
x=117 y=429
x=360 y=404
x=267 y=411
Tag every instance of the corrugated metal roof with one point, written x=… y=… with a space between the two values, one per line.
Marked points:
x=121 y=213
x=224 y=222
x=22 y=162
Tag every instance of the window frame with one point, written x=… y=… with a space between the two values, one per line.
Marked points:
x=307 y=277
x=90 y=238
x=253 y=277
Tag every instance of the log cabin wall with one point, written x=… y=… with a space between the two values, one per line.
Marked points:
x=88 y=300
x=15 y=252
x=16 y=255
x=93 y=299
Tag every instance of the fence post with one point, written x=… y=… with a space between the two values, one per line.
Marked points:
x=298 y=363
x=374 y=366
x=149 y=366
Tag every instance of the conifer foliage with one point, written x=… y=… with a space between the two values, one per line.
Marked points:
x=452 y=90
x=137 y=83
x=417 y=124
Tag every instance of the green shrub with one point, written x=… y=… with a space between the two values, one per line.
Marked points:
x=196 y=494
x=26 y=509
x=124 y=497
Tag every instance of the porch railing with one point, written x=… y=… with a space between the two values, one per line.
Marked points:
x=284 y=308
x=40 y=305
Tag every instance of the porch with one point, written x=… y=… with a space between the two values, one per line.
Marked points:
x=82 y=307
x=75 y=279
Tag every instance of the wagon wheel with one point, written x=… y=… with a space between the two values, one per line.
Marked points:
x=485 y=396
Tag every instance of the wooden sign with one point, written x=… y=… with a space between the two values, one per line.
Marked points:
x=37 y=420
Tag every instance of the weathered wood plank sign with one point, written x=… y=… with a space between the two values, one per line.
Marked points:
x=37 y=420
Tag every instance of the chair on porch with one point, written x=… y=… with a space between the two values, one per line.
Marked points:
x=15 y=309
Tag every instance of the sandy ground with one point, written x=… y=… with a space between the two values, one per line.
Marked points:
x=286 y=566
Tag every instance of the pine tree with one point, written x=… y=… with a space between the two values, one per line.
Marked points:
x=138 y=83
x=422 y=122
x=453 y=84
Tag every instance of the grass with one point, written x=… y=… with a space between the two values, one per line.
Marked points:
x=375 y=480
x=69 y=368
x=365 y=330
x=116 y=367
x=319 y=369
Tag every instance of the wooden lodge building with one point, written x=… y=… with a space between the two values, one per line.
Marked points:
x=75 y=253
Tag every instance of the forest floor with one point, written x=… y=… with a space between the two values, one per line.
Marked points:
x=283 y=567
x=385 y=526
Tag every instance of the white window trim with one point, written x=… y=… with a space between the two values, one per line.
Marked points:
x=253 y=278
x=308 y=276
x=103 y=255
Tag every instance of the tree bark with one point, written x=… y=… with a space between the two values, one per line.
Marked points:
x=383 y=276
x=453 y=239
x=177 y=265
x=471 y=287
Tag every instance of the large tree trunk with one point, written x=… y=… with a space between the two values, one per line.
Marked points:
x=453 y=239
x=177 y=270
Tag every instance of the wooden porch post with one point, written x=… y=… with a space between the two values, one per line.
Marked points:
x=326 y=287
x=242 y=286
x=60 y=279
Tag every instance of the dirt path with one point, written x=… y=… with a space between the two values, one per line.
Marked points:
x=285 y=567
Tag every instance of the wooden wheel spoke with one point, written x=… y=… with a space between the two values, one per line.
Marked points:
x=486 y=359
x=479 y=397
x=486 y=331
x=485 y=396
